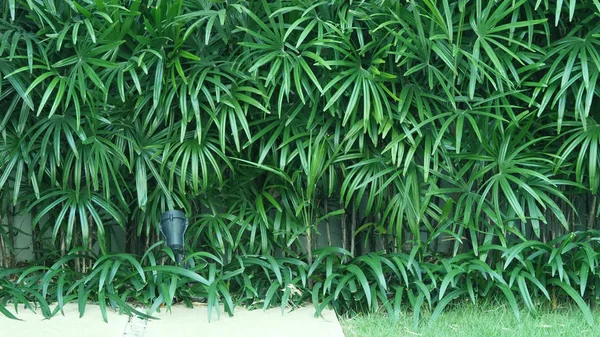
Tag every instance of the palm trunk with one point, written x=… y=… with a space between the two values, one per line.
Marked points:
x=344 y=235
x=380 y=244
x=309 y=246
x=352 y=231
x=329 y=243
x=592 y=217
x=147 y=242
x=2 y=251
x=10 y=241
x=34 y=242
x=63 y=245
x=90 y=246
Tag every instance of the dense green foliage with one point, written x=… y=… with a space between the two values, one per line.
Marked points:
x=532 y=271
x=456 y=139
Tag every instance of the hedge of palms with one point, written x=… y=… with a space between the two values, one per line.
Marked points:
x=456 y=139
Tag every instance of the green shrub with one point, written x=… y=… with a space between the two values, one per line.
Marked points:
x=458 y=137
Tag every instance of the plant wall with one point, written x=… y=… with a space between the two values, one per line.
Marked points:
x=425 y=129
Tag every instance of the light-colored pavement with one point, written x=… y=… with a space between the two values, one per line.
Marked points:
x=270 y=323
x=181 y=322
x=69 y=325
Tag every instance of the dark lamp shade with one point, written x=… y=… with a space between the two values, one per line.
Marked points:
x=173 y=225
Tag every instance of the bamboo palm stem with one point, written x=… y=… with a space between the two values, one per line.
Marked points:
x=329 y=243
x=352 y=231
x=2 y=250
x=592 y=217
x=344 y=234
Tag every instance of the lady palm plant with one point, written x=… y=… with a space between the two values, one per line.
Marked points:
x=418 y=122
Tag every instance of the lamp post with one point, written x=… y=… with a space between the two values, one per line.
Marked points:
x=173 y=225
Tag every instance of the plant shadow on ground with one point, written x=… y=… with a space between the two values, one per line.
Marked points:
x=481 y=320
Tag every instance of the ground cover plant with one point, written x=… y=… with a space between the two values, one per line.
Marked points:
x=363 y=155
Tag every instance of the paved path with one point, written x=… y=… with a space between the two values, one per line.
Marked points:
x=181 y=322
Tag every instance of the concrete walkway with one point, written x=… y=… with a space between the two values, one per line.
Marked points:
x=181 y=322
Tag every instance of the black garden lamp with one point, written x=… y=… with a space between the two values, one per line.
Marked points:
x=173 y=225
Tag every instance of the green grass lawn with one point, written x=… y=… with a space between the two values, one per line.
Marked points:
x=480 y=320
